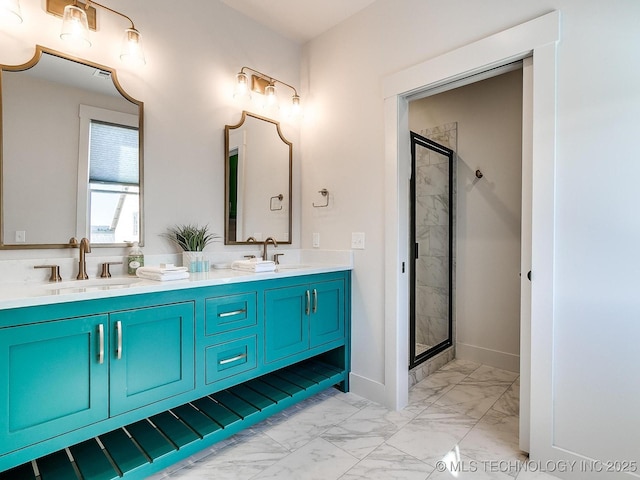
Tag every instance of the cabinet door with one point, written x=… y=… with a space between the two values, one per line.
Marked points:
x=53 y=379
x=152 y=355
x=327 y=312
x=286 y=321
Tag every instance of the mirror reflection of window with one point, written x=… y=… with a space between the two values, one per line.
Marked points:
x=109 y=178
x=113 y=183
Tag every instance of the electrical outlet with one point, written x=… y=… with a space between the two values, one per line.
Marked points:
x=357 y=240
x=316 y=240
x=21 y=236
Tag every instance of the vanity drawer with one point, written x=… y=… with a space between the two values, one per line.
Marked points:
x=230 y=312
x=230 y=358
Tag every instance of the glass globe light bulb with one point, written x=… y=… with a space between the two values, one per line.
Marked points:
x=75 y=28
x=10 y=12
x=132 y=51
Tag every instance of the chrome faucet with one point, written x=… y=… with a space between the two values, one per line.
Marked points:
x=85 y=247
x=266 y=242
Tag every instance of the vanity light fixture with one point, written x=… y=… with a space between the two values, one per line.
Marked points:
x=10 y=11
x=78 y=18
x=265 y=85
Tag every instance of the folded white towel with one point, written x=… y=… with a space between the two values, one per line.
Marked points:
x=151 y=273
x=162 y=270
x=254 y=265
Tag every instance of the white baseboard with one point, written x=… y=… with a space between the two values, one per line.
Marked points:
x=485 y=356
x=367 y=388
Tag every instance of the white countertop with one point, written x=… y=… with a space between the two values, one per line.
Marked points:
x=24 y=295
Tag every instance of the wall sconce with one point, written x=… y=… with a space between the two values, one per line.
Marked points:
x=265 y=85
x=10 y=12
x=78 y=18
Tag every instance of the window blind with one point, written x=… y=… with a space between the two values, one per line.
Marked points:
x=113 y=154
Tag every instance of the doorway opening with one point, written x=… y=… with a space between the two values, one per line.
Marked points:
x=475 y=279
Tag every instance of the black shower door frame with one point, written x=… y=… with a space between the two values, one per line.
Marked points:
x=414 y=360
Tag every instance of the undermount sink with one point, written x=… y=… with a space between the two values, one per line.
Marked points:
x=93 y=285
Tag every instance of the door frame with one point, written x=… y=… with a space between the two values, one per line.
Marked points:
x=537 y=39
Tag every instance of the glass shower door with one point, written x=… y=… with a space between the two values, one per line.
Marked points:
x=431 y=249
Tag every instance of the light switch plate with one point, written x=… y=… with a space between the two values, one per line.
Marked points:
x=357 y=240
x=21 y=236
x=316 y=240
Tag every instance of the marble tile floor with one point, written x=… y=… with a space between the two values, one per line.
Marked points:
x=463 y=416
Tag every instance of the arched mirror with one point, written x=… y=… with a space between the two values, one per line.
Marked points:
x=258 y=162
x=71 y=155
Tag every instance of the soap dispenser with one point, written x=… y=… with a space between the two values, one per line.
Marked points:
x=135 y=259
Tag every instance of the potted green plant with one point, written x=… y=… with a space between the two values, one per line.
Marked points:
x=192 y=239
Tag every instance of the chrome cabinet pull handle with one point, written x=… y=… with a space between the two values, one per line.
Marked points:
x=233 y=359
x=101 y=344
x=119 y=339
x=315 y=300
x=308 y=305
x=230 y=314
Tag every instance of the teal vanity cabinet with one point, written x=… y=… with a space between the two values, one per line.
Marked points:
x=130 y=384
x=302 y=317
x=53 y=379
x=63 y=370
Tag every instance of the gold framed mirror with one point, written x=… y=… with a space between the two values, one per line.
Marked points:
x=258 y=172
x=71 y=154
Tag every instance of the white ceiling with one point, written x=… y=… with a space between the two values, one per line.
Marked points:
x=298 y=20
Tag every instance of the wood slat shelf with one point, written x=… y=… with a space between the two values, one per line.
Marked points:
x=149 y=445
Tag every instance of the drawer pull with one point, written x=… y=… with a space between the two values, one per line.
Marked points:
x=100 y=344
x=119 y=339
x=232 y=359
x=315 y=300
x=230 y=314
